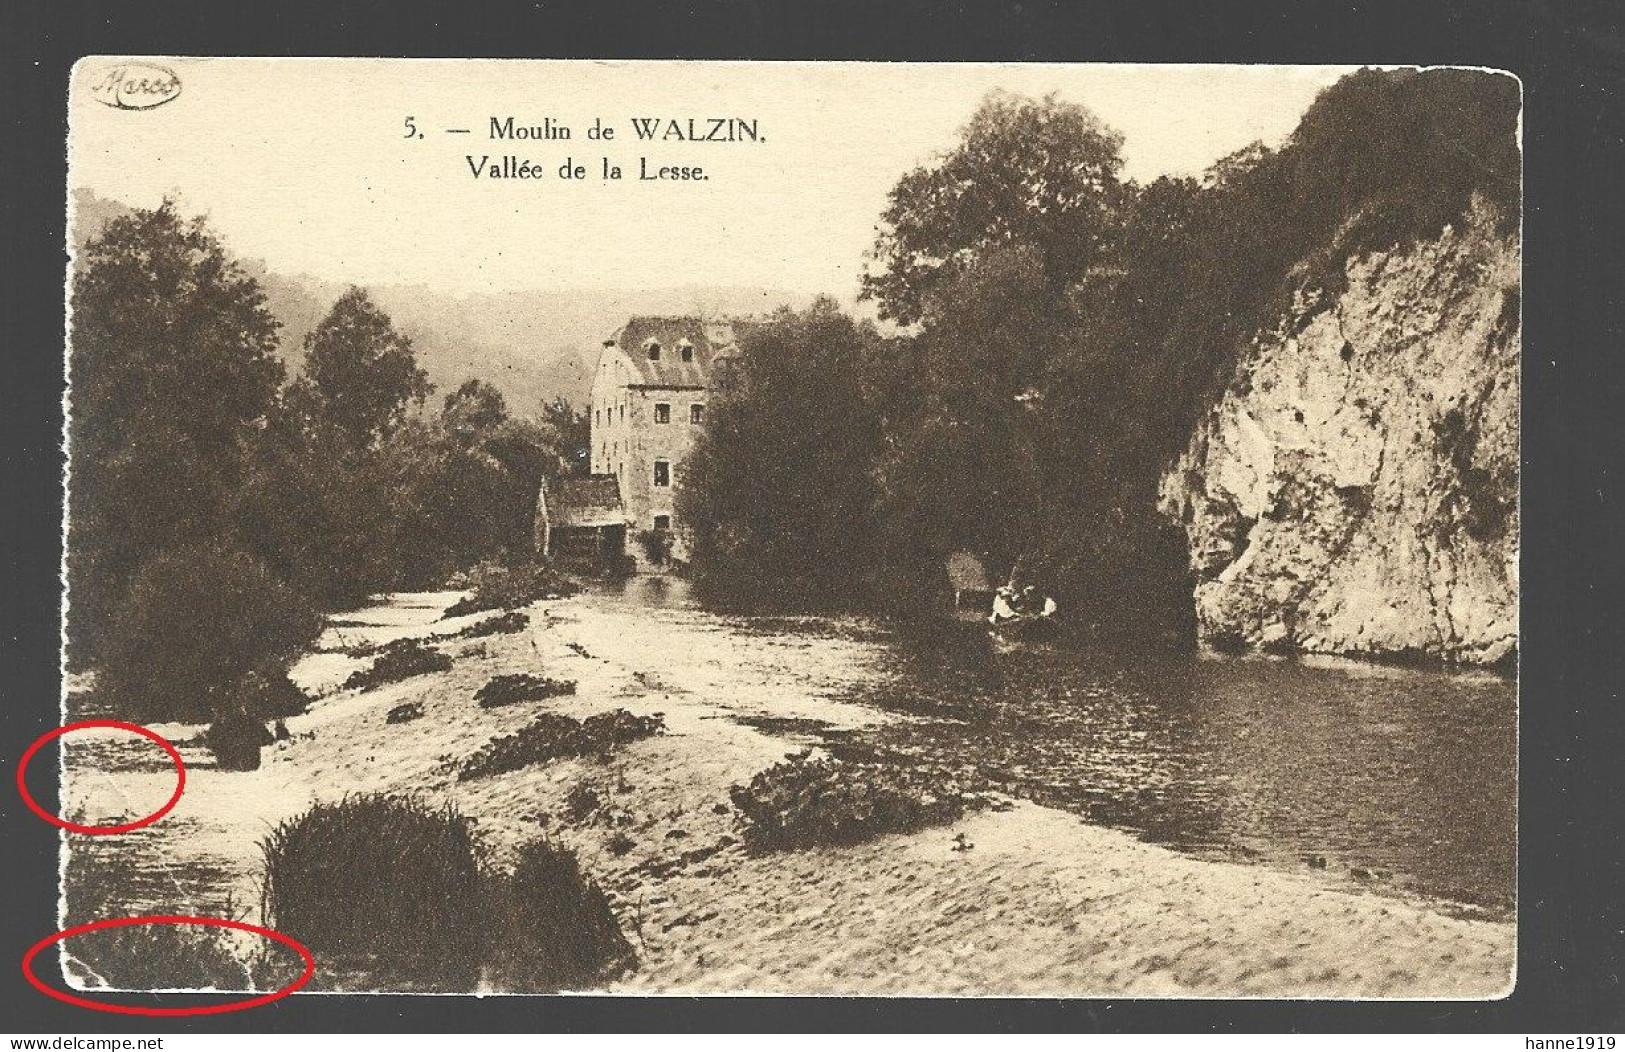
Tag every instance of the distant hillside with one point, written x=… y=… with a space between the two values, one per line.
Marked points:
x=534 y=345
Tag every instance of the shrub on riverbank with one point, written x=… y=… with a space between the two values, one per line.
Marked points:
x=521 y=686
x=236 y=739
x=400 y=660
x=412 y=710
x=501 y=624
x=554 y=737
x=493 y=586
x=556 y=928
x=197 y=629
x=387 y=884
x=806 y=802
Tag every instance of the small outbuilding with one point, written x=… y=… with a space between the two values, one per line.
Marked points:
x=581 y=520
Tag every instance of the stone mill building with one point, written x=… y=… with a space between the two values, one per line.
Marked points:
x=649 y=395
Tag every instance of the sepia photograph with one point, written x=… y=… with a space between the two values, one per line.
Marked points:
x=794 y=528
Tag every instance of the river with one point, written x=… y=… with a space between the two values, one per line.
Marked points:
x=1398 y=781
x=1401 y=780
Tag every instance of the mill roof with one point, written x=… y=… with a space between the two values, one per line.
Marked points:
x=711 y=340
x=592 y=501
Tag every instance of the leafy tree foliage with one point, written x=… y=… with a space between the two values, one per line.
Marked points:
x=473 y=409
x=571 y=429
x=324 y=517
x=777 y=491
x=359 y=376
x=1035 y=174
x=960 y=471
x=204 y=631
x=173 y=373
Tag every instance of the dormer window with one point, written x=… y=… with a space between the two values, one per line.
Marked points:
x=687 y=351
x=654 y=350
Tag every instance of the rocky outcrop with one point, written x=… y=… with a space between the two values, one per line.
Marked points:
x=1355 y=490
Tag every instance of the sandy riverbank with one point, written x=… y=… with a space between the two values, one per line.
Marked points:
x=1039 y=903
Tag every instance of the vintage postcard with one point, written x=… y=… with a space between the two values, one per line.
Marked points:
x=790 y=528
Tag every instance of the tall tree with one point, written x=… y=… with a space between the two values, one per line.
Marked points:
x=173 y=370
x=572 y=430
x=473 y=410
x=360 y=376
x=777 y=493
x=1034 y=174
x=962 y=467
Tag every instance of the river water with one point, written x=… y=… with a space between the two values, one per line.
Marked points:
x=1400 y=780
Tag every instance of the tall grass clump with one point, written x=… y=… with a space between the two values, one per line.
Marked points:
x=385 y=884
x=558 y=930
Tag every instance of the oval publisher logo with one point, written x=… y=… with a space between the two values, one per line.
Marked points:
x=136 y=86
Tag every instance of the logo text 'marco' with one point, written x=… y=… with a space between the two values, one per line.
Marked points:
x=136 y=86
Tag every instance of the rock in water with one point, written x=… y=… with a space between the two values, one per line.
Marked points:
x=1355 y=489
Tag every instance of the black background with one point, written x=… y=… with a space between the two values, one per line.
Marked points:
x=1571 y=58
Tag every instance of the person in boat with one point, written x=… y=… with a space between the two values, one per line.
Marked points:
x=1034 y=604
x=1004 y=606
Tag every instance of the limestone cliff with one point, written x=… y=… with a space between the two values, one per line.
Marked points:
x=1355 y=490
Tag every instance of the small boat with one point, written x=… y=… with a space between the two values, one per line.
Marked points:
x=1025 y=617
x=1027 y=628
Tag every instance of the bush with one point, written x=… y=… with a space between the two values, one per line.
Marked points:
x=656 y=545
x=580 y=802
x=412 y=710
x=558 y=931
x=502 y=624
x=807 y=802
x=400 y=660
x=236 y=739
x=521 y=686
x=384 y=883
x=272 y=696
x=495 y=587
x=194 y=625
x=554 y=737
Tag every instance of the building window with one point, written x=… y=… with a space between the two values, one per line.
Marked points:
x=662 y=523
x=654 y=351
x=623 y=410
x=688 y=351
x=662 y=473
x=696 y=413
x=662 y=413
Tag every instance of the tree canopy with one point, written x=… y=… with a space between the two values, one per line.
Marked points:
x=1035 y=174
x=776 y=491
x=173 y=372
x=359 y=375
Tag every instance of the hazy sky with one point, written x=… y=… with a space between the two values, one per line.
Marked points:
x=305 y=163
